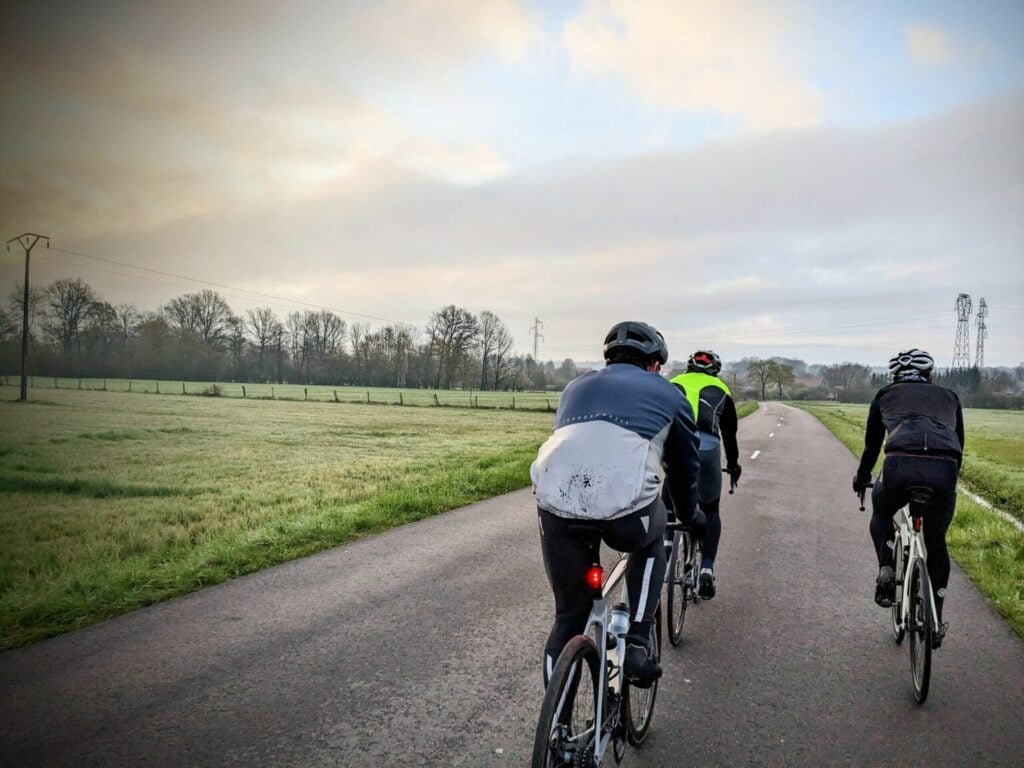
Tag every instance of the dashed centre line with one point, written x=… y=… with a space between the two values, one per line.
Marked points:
x=755 y=454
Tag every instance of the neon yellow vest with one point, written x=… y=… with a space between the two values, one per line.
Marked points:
x=692 y=384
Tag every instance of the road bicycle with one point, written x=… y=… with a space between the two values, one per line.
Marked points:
x=683 y=571
x=913 y=609
x=589 y=705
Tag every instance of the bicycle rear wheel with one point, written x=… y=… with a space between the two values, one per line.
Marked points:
x=677 y=596
x=638 y=703
x=920 y=629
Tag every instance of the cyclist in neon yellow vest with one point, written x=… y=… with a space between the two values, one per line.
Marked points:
x=715 y=414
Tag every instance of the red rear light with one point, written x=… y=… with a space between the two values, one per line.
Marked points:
x=595 y=577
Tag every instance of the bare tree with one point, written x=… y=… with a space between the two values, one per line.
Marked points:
x=759 y=374
x=782 y=376
x=128 y=319
x=205 y=315
x=66 y=304
x=845 y=375
x=495 y=345
x=264 y=328
x=16 y=299
x=453 y=334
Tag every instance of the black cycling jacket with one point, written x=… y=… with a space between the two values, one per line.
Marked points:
x=921 y=418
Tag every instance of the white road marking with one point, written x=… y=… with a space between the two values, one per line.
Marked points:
x=771 y=434
x=754 y=455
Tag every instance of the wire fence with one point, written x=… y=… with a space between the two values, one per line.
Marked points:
x=524 y=401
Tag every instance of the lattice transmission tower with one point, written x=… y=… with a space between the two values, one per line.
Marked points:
x=979 y=353
x=962 y=348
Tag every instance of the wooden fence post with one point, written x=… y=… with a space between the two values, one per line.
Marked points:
x=183 y=388
x=367 y=397
x=55 y=384
x=400 y=399
x=272 y=395
x=129 y=385
x=306 y=391
x=243 y=391
x=79 y=382
x=104 y=385
x=158 y=387
x=436 y=402
x=513 y=402
x=336 y=396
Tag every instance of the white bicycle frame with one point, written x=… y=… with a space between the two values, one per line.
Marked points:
x=610 y=676
x=910 y=539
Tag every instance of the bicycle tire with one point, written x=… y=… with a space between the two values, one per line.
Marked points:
x=920 y=629
x=677 y=595
x=696 y=556
x=563 y=728
x=899 y=621
x=638 y=703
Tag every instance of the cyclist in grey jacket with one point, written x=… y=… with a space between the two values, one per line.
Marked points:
x=925 y=424
x=619 y=433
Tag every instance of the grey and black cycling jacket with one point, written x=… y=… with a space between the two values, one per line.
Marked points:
x=619 y=433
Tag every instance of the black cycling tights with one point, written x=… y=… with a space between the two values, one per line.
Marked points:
x=890 y=493
x=712 y=532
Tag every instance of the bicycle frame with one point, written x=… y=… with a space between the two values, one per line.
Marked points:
x=910 y=538
x=611 y=676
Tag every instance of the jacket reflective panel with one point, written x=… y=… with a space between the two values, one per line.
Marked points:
x=605 y=457
x=706 y=395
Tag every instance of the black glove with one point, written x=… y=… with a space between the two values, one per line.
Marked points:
x=734 y=470
x=861 y=484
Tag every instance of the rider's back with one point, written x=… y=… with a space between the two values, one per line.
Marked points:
x=921 y=418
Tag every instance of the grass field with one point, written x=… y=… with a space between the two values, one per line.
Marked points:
x=318 y=393
x=111 y=501
x=988 y=548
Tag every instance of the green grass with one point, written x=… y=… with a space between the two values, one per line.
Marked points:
x=745 y=408
x=109 y=502
x=988 y=548
x=39 y=385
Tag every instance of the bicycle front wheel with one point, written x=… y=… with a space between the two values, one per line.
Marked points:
x=920 y=629
x=567 y=729
x=677 y=597
x=638 y=703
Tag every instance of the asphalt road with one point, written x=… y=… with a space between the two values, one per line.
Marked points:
x=422 y=647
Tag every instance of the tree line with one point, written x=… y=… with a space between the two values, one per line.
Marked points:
x=197 y=336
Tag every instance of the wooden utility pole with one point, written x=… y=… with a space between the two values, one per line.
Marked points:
x=28 y=242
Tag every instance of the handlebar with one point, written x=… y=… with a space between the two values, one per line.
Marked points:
x=732 y=480
x=863 y=491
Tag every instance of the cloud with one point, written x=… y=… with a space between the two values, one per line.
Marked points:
x=928 y=45
x=143 y=117
x=725 y=58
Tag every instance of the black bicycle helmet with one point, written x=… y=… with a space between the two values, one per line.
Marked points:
x=911 y=363
x=706 y=361
x=635 y=339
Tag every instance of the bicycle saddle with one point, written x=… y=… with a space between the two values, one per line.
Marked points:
x=919 y=496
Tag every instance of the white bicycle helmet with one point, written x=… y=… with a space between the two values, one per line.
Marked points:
x=911 y=362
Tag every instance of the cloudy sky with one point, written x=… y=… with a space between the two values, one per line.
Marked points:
x=814 y=180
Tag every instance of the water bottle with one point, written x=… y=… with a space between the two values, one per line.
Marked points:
x=618 y=627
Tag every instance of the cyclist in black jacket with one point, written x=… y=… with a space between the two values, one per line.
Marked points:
x=925 y=424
